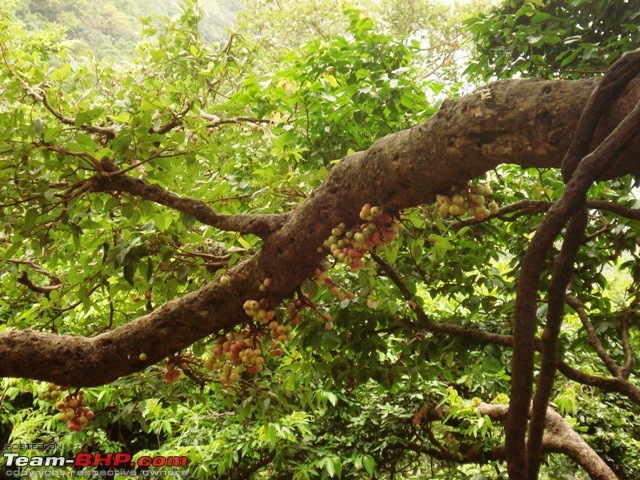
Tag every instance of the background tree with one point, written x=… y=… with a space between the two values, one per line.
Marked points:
x=145 y=207
x=112 y=28
x=553 y=38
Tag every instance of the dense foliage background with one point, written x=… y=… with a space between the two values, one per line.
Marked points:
x=272 y=107
x=112 y=28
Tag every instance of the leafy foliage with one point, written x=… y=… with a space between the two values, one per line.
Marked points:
x=548 y=38
x=111 y=28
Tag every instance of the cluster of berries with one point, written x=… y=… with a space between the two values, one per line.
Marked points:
x=51 y=394
x=322 y=279
x=349 y=246
x=73 y=411
x=234 y=357
x=171 y=373
x=234 y=354
x=470 y=200
x=280 y=332
x=296 y=307
x=259 y=310
x=72 y=408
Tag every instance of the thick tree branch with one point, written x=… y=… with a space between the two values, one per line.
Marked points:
x=559 y=437
x=586 y=172
x=613 y=207
x=614 y=384
x=115 y=181
x=613 y=83
x=466 y=138
x=562 y=272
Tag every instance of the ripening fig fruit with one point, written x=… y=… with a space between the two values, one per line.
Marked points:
x=225 y=280
x=454 y=209
x=366 y=211
x=457 y=200
x=142 y=357
x=443 y=211
x=493 y=208
x=74 y=426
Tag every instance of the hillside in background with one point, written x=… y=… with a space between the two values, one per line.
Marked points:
x=112 y=27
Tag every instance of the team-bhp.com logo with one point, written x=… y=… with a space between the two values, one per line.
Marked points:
x=116 y=461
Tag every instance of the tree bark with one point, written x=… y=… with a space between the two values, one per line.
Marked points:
x=560 y=437
x=525 y=122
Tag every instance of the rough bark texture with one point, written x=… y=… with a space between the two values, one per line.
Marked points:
x=579 y=171
x=526 y=122
x=560 y=437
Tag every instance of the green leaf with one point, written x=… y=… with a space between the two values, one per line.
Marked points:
x=369 y=464
x=30 y=218
x=51 y=133
x=17 y=243
x=332 y=80
x=128 y=272
x=88 y=116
